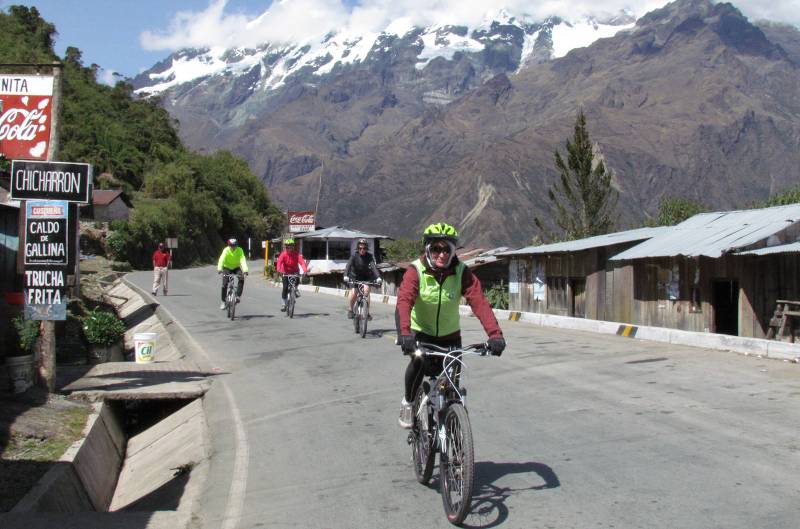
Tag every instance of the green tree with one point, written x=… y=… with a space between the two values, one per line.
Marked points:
x=402 y=250
x=792 y=196
x=672 y=211
x=583 y=200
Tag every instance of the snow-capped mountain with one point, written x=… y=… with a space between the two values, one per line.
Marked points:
x=533 y=40
x=394 y=130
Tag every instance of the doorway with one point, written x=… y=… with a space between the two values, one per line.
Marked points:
x=578 y=297
x=726 y=306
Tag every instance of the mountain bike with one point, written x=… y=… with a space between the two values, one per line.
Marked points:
x=361 y=306
x=291 y=295
x=441 y=425
x=230 y=293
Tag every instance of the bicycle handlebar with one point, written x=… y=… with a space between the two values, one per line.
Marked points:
x=423 y=349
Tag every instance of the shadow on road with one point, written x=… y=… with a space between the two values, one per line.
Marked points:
x=488 y=499
x=254 y=316
x=311 y=314
x=378 y=333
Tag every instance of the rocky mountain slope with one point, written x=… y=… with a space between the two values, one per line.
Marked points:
x=694 y=100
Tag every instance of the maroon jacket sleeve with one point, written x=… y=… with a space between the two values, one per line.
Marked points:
x=472 y=292
x=406 y=296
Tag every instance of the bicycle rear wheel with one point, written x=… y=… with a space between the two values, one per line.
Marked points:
x=422 y=449
x=363 y=314
x=457 y=464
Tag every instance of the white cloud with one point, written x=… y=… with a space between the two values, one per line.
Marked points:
x=107 y=77
x=297 y=20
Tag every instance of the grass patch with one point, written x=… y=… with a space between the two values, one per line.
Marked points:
x=49 y=448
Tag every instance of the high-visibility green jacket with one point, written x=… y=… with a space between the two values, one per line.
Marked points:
x=232 y=259
x=435 y=310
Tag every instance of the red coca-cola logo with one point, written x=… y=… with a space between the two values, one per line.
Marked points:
x=301 y=218
x=25 y=127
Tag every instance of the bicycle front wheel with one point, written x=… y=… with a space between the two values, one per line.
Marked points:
x=231 y=301
x=422 y=449
x=357 y=317
x=457 y=464
x=363 y=314
x=290 y=304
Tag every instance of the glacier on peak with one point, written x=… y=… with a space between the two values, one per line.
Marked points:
x=321 y=55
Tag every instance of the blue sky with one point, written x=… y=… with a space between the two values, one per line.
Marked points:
x=129 y=36
x=108 y=31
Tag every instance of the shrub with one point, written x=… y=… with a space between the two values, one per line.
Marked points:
x=102 y=327
x=498 y=296
x=27 y=333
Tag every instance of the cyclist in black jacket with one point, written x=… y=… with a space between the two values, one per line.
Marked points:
x=360 y=267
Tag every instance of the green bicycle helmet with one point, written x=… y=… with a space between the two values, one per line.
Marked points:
x=288 y=241
x=439 y=232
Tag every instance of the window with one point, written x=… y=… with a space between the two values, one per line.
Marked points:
x=339 y=250
x=313 y=250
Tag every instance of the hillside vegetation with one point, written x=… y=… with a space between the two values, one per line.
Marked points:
x=133 y=144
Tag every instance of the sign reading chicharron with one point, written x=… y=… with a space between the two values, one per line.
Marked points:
x=301 y=221
x=26 y=102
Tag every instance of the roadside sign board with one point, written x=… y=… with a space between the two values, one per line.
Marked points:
x=45 y=293
x=26 y=103
x=51 y=181
x=46 y=229
x=172 y=243
x=301 y=221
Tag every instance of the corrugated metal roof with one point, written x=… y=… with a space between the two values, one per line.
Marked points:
x=609 y=239
x=792 y=247
x=713 y=234
x=337 y=232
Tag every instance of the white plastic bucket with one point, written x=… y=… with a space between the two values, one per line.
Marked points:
x=144 y=344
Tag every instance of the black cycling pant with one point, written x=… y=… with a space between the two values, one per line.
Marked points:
x=420 y=367
x=226 y=277
x=285 y=291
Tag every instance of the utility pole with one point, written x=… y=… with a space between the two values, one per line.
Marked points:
x=319 y=192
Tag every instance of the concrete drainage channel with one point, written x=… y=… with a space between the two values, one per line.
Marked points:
x=144 y=458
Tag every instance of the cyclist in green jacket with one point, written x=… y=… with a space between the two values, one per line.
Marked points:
x=428 y=308
x=232 y=261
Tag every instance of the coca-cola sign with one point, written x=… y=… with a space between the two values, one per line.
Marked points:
x=25 y=116
x=300 y=221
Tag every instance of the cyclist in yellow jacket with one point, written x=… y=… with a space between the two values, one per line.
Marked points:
x=232 y=261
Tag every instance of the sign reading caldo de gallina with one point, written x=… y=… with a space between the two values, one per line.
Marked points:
x=25 y=115
x=46 y=233
x=301 y=221
x=51 y=181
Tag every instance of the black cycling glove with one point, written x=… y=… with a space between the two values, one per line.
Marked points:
x=408 y=343
x=496 y=345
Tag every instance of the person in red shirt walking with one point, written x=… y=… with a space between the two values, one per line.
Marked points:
x=289 y=262
x=161 y=259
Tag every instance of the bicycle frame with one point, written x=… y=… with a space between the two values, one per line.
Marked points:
x=446 y=388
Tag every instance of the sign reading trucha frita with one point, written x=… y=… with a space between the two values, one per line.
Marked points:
x=25 y=108
x=51 y=181
x=44 y=293
x=46 y=224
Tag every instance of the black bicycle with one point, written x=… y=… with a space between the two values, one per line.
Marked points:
x=291 y=295
x=441 y=424
x=230 y=293
x=361 y=306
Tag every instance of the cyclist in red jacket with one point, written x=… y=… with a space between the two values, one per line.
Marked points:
x=289 y=262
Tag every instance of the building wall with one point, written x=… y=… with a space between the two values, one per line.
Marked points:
x=116 y=210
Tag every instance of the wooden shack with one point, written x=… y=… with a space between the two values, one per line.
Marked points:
x=574 y=278
x=719 y=272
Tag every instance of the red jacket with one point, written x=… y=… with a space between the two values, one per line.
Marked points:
x=161 y=259
x=288 y=262
x=470 y=289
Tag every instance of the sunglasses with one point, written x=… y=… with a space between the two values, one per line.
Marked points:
x=362 y=247
x=440 y=249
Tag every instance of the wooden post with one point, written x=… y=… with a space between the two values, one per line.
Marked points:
x=46 y=366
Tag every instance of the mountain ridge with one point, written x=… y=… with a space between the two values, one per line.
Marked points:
x=694 y=100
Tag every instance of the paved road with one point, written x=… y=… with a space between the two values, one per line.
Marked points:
x=572 y=430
